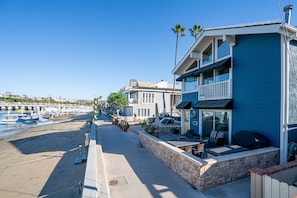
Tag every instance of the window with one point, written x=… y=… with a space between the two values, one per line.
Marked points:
x=223 y=49
x=215 y=120
x=217 y=75
x=143 y=98
x=192 y=66
x=207 y=55
x=190 y=84
x=221 y=74
x=153 y=100
x=208 y=77
x=147 y=98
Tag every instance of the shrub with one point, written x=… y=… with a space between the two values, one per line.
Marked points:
x=150 y=129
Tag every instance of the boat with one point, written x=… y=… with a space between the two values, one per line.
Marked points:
x=19 y=118
x=10 y=118
x=28 y=118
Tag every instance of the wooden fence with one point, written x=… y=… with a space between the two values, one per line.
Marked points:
x=273 y=188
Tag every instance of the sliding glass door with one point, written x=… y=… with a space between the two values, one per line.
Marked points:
x=215 y=120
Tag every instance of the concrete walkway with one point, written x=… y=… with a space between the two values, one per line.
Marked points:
x=132 y=171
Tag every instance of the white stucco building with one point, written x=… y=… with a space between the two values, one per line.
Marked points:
x=143 y=96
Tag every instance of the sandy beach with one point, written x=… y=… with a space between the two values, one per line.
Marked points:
x=39 y=162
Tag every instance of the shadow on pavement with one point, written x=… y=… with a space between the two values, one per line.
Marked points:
x=65 y=177
x=155 y=175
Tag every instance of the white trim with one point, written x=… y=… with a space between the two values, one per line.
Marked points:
x=195 y=55
x=284 y=100
x=217 y=110
x=254 y=28
x=182 y=118
x=212 y=55
x=216 y=50
x=230 y=39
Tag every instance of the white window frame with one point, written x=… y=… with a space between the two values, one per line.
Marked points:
x=217 y=110
x=213 y=58
x=216 y=50
x=191 y=91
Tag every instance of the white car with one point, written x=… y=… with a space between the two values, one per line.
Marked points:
x=169 y=121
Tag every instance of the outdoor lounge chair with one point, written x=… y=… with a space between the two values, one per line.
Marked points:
x=217 y=138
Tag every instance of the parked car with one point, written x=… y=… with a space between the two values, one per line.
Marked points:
x=150 y=120
x=169 y=121
x=177 y=118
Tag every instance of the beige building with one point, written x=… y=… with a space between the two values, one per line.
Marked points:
x=143 y=96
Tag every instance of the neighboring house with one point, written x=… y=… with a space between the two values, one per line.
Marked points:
x=143 y=96
x=242 y=77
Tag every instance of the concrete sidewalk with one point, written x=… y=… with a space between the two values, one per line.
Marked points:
x=132 y=171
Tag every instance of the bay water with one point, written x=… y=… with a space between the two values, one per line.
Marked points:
x=12 y=129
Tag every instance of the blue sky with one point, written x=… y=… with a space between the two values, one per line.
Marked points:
x=79 y=49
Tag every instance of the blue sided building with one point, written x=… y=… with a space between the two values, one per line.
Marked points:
x=241 y=78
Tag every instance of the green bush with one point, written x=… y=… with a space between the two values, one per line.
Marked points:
x=150 y=129
x=143 y=124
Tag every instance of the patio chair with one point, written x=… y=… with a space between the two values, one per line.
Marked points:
x=217 y=138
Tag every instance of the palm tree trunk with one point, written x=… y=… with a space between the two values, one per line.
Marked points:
x=173 y=93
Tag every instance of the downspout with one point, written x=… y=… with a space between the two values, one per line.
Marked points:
x=285 y=69
x=284 y=101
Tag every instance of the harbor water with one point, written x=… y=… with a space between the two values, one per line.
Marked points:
x=13 y=129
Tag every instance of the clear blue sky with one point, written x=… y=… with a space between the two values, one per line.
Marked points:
x=79 y=49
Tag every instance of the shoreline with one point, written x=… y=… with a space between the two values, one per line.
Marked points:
x=18 y=129
x=40 y=160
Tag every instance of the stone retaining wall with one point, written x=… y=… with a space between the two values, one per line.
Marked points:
x=205 y=173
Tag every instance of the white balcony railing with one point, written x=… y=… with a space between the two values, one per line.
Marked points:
x=133 y=101
x=215 y=91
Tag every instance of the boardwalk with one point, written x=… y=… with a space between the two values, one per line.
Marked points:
x=134 y=172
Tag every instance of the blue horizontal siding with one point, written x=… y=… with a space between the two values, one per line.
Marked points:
x=190 y=97
x=257 y=85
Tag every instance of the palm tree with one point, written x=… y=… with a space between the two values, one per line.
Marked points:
x=179 y=31
x=195 y=31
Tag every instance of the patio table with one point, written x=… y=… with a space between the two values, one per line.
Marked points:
x=185 y=145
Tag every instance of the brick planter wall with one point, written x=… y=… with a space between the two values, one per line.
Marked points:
x=205 y=173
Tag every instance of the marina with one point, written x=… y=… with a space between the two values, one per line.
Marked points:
x=15 y=119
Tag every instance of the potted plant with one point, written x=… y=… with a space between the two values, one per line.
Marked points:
x=115 y=119
x=126 y=126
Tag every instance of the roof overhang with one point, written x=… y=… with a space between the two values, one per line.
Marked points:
x=223 y=63
x=184 y=105
x=214 y=104
x=229 y=34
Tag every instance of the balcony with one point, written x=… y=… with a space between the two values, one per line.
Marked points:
x=215 y=91
x=133 y=101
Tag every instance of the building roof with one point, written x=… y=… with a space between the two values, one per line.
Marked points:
x=230 y=32
x=162 y=85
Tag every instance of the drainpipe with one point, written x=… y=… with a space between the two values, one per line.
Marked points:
x=284 y=101
x=288 y=10
x=285 y=90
